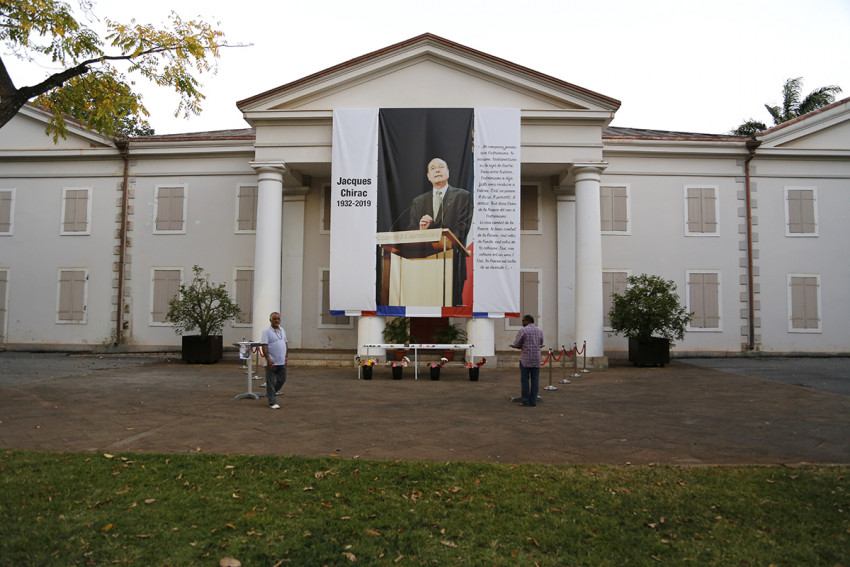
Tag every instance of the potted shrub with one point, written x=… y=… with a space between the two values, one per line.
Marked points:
x=397 y=331
x=649 y=314
x=204 y=306
x=452 y=334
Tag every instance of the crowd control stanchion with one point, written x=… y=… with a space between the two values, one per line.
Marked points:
x=584 y=357
x=575 y=361
x=564 y=356
x=550 y=386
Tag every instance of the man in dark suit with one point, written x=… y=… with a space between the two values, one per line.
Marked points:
x=445 y=207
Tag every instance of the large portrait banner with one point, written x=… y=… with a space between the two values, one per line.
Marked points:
x=425 y=212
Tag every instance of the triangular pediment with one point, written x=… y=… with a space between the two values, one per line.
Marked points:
x=826 y=129
x=427 y=71
x=26 y=131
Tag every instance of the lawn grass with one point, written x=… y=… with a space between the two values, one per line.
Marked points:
x=155 y=509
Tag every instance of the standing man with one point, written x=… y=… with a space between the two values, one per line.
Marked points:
x=529 y=339
x=445 y=207
x=274 y=349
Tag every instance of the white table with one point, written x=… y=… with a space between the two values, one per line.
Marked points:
x=416 y=347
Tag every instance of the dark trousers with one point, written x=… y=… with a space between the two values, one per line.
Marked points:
x=530 y=382
x=275 y=379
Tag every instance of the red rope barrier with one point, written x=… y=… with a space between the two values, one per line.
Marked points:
x=583 y=347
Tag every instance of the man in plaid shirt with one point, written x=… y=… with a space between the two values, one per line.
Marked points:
x=529 y=339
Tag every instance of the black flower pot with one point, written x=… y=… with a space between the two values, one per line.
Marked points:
x=397 y=372
x=473 y=373
x=367 y=372
x=435 y=372
x=206 y=350
x=652 y=352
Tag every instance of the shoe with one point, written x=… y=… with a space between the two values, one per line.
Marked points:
x=528 y=405
x=274 y=406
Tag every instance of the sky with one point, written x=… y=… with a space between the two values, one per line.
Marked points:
x=681 y=65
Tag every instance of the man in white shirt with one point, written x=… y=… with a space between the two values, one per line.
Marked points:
x=274 y=350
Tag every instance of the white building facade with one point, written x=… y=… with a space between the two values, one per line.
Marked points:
x=95 y=234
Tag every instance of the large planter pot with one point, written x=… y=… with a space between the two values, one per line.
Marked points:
x=435 y=372
x=473 y=373
x=197 y=350
x=397 y=372
x=399 y=353
x=652 y=352
x=367 y=372
x=448 y=354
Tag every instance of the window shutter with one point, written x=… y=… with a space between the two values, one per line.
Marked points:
x=694 y=213
x=4 y=278
x=326 y=317
x=529 y=290
x=801 y=211
x=169 y=210
x=245 y=296
x=612 y=282
x=606 y=208
x=5 y=211
x=529 y=207
x=326 y=210
x=708 y=209
x=804 y=303
x=247 y=219
x=76 y=210
x=72 y=295
x=166 y=284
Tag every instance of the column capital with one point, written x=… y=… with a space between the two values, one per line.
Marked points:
x=588 y=169
x=564 y=192
x=269 y=167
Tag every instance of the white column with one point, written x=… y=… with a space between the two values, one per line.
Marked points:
x=292 y=264
x=566 y=271
x=267 y=246
x=370 y=331
x=588 y=300
x=482 y=334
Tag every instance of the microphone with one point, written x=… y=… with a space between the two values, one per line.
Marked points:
x=398 y=218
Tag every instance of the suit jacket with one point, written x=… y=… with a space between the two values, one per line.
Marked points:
x=455 y=212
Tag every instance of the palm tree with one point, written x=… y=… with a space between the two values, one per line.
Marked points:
x=792 y=106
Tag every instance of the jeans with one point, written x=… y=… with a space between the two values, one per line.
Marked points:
x=530 y=382
x=275 y=379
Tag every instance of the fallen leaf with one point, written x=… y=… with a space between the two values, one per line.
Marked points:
x=108 y=527
x=373 y=532
x=350 y=556
x=449 y=543
x=532 y=541
x=108 y=456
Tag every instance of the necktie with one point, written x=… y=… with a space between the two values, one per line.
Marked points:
x=438 y=201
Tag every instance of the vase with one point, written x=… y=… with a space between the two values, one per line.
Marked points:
x=367 y=372
x=435 y=373
x=197 y=350
x=652 y=352
x=473 y=373
x=397 y=372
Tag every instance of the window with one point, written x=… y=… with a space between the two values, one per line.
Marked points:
x=327 y=320
x=246 y=208
x=76 y=211
x=170 y=210
x=166 y=284
x=804 y=303
x=700 y=211
x=325 y=227
x=704 y=300
x=801 y=211
x=71 y=301
x=613 y=281
x=4 y=303
x=614 y=205
x=7 y=211
x=529 y=208
x=529 y=298
x=244 y=296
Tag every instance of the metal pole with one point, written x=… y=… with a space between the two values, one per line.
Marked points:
x=550 y=386
x=564 y=365
x=584 y=358
x=575 y=362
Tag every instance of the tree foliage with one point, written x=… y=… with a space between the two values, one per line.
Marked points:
x=649 y=307
x=201 y=305
x=793 y=105
x=91 y=87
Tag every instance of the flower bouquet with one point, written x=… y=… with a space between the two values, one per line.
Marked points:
x=367 y=364
x=435 y=368
x=398 y=366
x=475 y=367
